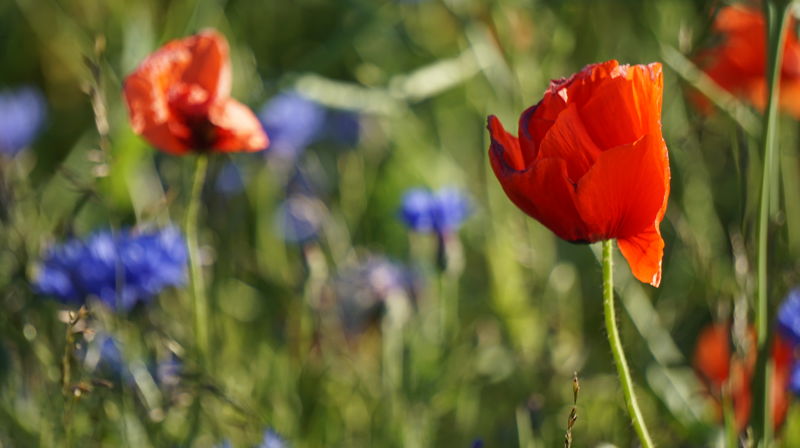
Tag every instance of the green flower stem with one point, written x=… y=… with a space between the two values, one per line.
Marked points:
x=776 y=13
x=729 y=419
x=199 y=298
x=616 y=347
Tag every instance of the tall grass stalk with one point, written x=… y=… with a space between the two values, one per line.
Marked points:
x=776 y=14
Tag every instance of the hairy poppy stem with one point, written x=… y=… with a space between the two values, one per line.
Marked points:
x=776 y=14
x=616 y=347
x=199 y=298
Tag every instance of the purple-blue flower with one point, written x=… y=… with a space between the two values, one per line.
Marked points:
x=229 y=179
x=272 y=440
x=22 y=114
x=343 y=127
x=789 y=317
x=299 y=218
x=361 y=289
x=292 y=122
x=794 y=379
x=168 y=372
x=103 y=354
x=438 y=212
x=120 y=268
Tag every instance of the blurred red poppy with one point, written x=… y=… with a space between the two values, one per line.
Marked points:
x=178 y=99
x=738 y=63
x=590 y=162
x=727 y=373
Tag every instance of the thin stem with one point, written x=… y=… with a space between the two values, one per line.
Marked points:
x=616 y=347
x=200 y=300
x=776 y=14
x=729 y=419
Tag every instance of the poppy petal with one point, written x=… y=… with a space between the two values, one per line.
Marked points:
x=210 y=66
x=783 y=358
x=505 y=146
x=790 y=96
x=536 y=121
x=626 y=107
x=237 y=128
x=624 y=192
x=542 y=190
x=150 y=115
x=644 y=252
x=568 y=139
x=712 y=355
x=581 y=86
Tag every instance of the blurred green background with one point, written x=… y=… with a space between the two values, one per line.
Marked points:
x=423 y=76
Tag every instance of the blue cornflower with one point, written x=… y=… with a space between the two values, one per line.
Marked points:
x=794 y=379
x=299 y=218
x=343 y=127
x=362 y=289
x=229 y=179
x=272 y=440
x=441 y=212
x=103 y=354
x=789 y=317
x=374 y=279
x=292 y=122
x=477 y=443
x=168 y=372
x=22 y=114
x=121 y=268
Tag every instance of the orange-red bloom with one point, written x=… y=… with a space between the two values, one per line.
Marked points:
x=179 y=99
x=738 y=63
x=590 y=162
x=726 y=373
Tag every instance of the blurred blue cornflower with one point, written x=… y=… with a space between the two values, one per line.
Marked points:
x=119 y=268
x=230 y=180
x=789 y=317
x=362 y=289
x=294 y=122
x=441 y=212
x=789 y=327
x=299 y=218
x=22 y=114
x=477 y=443
x=343 y=127
x=794 y=379
x=272 y=440
x=103 y=354
x=168 y=372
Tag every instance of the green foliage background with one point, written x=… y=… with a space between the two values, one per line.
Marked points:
x=424 y=75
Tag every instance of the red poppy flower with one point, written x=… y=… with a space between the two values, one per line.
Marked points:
x=723 y=371
x=590 y=163
x=738 y=63
x=178 y=99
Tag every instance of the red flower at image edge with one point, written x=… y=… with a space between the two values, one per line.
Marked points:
x=738 y=63
x=722 y=370
x=590 y=162
x=178 y=99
